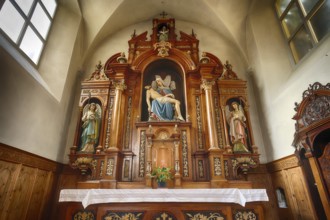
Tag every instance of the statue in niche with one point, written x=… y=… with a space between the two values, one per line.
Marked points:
x=164 y=106
x=91 y=127
x=237 y=127
x=163 y=34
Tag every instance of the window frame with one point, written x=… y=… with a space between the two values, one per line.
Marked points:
x=28 y=23
x=305 y=24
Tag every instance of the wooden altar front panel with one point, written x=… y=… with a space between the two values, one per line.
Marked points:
x=163 y=211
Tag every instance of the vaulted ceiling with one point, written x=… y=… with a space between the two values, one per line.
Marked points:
x=102 y=18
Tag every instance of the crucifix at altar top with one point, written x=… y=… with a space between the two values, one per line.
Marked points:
x=163 y=14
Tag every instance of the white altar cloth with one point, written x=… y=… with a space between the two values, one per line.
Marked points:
x=228 y=195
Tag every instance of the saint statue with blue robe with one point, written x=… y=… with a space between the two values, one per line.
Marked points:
x=164 y=106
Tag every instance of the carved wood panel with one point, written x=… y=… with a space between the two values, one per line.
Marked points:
x=303 y=208
x=164 y=211
x=7 y=177
x=22 y=193
x=289 y=177
x=324 y=161
x=40 y=189
x=25 y=187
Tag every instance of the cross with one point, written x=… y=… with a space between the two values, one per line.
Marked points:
x=163 y=14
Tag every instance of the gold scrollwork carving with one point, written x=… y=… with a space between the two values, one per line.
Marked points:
x=119 y=85
x=142 y=153
x=207 y=85
x=110 y=167
x=217 y=166
x=84 y=215
x=163 y=48
x=204 y=215
x=185 y=154
x=242 y=215
x=123 y=215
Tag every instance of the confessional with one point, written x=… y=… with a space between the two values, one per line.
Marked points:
x=312 y=143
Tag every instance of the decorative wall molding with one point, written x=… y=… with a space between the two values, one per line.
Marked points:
x=283 y=164
x=15 y=155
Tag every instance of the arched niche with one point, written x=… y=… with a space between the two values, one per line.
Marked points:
x=94 y=129
x=163 y=67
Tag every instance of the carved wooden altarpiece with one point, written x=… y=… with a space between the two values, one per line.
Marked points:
x=312 y=141
x=209 y=148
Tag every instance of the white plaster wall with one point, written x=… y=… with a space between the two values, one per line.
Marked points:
x=56 y=58
x=32 y=118
x=278 y=82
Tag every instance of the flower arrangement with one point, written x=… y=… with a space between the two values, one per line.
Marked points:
x=162 y=174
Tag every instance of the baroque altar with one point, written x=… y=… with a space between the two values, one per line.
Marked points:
x=164 y=105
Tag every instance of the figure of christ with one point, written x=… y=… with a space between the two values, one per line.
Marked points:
x=161 y=107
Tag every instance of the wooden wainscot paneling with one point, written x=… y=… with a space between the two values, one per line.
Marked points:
x=288 y=178
x=261 y=179
x=27 y=183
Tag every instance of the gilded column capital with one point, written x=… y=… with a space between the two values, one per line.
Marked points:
x=207 y=85
x=120 y=85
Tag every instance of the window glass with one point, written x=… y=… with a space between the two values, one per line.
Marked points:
x=11 y=22
x=31 y=45
x=308 y=5
x=292 y=20
x=321 y=21
x=25 y=5
x=301 y=44
x=281 y=5
x=50 y=6
x=40 y=21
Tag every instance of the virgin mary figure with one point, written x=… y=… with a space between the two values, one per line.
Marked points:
x=236 y=121
x=91 y=127
x=164 y=106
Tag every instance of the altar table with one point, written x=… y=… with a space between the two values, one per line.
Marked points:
x=228 y=195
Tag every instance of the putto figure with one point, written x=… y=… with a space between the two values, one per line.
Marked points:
x=237 y=127
x=164 y=106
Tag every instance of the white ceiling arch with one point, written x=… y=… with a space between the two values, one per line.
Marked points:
x=102 y=18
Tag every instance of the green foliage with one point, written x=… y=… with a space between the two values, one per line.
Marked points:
x=162 y=174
